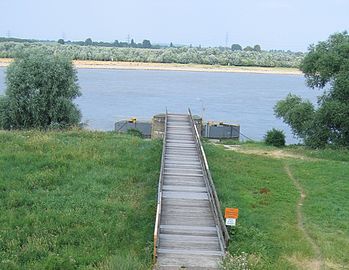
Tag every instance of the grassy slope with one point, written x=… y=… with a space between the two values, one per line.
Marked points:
x=267 y=227
x=86 y=200
x=76 y=200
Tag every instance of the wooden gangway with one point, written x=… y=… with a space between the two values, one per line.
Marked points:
x=189 y=229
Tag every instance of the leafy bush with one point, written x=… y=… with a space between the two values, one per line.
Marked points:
x=40 y=92
x=134 y=132
x=275 y=137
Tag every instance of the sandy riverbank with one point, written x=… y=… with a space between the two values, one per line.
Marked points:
x=174 y=67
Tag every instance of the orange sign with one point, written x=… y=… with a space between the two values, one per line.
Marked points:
x=231 y=213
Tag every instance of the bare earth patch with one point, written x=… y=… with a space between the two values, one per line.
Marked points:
x=304 y=264
x=279 y=154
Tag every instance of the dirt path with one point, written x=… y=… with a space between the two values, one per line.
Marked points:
x=318 y=262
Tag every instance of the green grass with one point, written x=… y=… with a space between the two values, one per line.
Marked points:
x=326 y=154
x=77 y=200
x=86 y=200
x=267 y=226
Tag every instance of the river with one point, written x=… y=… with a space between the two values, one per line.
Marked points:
x=243 y=98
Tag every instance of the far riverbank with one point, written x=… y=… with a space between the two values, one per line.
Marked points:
x=174 y=67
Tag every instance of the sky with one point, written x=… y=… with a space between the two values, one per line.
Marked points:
x=274 y=24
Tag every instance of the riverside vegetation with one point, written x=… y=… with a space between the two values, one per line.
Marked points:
x=181 y=55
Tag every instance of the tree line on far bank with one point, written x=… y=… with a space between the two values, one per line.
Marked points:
x=146 y=44
x=182 y=55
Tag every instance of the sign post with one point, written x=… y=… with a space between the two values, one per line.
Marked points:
x=231 y=214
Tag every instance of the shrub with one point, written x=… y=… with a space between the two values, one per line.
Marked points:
x=275 y=137
x=40 y=92
x=134 y=132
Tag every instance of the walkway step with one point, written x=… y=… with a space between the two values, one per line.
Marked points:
x=184 y=188
x=179 y=182
x=189 y=244
x=191 y=252
x=185 y=195
x=189 y=262
x=193 y=230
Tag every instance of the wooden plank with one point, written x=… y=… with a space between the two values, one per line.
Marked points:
x=205 y=211
x=180 y=157
x=182 y=166
x=191 y=252
x=173 y=153
x=167 y=202
x=184 y=188
x=181 y=182
x=169 y=162
x=184 y=177
x=188 y=230
x=190 y=261
x=185 y=195
x=183 y=213
x=179 y=170
x=188 y=244
x=191 y=238
x=183 y=220
x=184 y=174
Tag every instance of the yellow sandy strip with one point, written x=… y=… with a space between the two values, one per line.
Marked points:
x=173 y=67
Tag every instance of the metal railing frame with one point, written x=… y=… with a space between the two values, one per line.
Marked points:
x=159 y=202
x=215 y=204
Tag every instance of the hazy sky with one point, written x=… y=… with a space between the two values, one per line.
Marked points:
x=274 y=24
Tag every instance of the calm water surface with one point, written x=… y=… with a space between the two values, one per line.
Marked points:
x=246 y=99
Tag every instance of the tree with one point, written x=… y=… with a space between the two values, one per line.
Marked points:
x=88 y=42
x=116 y=43
x=133 y=44
x=257 y=48
x=325 y=65
x=236 y=47
x=61 y=41
x=40 y=92
x=296 y=113
x=146 y=44
x=171 y=45
x=248 y=49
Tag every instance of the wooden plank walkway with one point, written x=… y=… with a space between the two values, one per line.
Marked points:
x=187 y=235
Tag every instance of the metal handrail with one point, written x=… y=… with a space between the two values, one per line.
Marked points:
x=158 y=207
x=216 y=207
